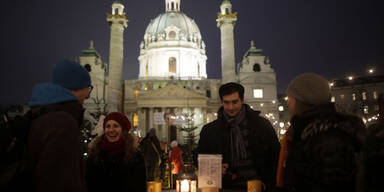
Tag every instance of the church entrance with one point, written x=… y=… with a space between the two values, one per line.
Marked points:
x=173 y=133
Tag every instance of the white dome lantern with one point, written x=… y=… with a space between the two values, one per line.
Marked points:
x=172 y=47
x=172 y=5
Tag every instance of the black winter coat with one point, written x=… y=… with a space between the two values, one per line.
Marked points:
x=374 y=151
x=152 y=156
x=116 y=174
x=325 y=151
x=54 y=148
x=263 y=144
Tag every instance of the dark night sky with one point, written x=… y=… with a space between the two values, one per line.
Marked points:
x=333 y=38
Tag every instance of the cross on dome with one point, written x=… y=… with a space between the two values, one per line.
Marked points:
x=91 y=45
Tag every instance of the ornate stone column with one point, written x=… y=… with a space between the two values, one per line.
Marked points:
x=117 y=22
x=204 y=110
x=226 y=21
x=151 y=118
x=164 y=128
x=141 y=113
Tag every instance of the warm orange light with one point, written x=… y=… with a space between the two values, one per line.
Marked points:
x=135 y=120
x=136 y=93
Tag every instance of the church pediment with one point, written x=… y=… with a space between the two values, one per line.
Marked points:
x=172 y=92
x=172 y=96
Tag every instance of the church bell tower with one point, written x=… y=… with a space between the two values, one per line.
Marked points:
x=117 y=22
x=226 y=21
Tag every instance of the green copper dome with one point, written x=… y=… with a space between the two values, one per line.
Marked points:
x=185 y=25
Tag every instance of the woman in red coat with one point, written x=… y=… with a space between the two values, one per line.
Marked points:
x=176 y=160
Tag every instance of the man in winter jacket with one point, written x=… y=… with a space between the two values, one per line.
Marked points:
x=54 y=148
x=321 y=151
x=248 y=142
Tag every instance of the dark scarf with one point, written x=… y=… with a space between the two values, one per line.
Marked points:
x=238 y=148
x=112 y=149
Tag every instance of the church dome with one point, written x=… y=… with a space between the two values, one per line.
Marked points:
x=173 y=21
x=172 y=46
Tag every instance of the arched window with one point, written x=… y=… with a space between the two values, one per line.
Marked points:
x=116 y=11
x=172 y=35
x=173 y=6
x=172 y=65
x=226 y=11
x=136 y=92
x=256 y=67
x=135 y=120
x=177 y=6
x=208 y=93
x=88 y=67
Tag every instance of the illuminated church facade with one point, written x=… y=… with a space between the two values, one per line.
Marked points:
x=172 y=83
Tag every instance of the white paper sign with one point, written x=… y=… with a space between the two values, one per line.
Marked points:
x=159 y=118
x=210 y=173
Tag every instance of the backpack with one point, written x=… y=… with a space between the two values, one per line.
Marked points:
x=15 y=173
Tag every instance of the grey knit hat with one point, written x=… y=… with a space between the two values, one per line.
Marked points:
x=310 y=88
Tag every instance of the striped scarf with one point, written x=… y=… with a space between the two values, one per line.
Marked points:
x=238 y=149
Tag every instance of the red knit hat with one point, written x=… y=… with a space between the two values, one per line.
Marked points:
x=119 y=118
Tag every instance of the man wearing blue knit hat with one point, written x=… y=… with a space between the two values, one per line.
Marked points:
x=54 y=139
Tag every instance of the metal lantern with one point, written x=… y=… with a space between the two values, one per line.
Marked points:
x=186 y=179
x=153 y=186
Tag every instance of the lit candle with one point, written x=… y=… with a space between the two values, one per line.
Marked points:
x=184 y=186
x=186 y=180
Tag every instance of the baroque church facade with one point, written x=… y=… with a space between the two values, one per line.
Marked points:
x=172 y=83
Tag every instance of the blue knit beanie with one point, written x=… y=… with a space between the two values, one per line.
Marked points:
x=70 y=75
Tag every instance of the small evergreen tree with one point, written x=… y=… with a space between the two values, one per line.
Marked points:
x=190 y=137
x=89 y=123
